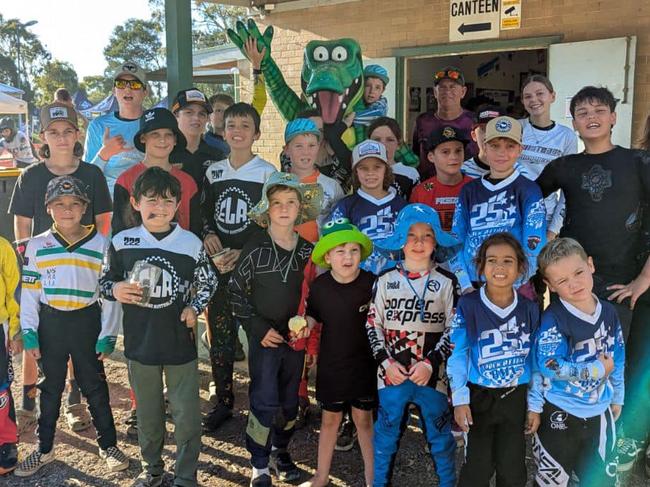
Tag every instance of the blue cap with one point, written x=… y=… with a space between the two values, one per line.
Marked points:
x=410 y=215
x=376 y=71
x=300 y=126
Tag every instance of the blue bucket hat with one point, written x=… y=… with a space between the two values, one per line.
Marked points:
x=376 y=71
x=300 y=126
x=410 y=215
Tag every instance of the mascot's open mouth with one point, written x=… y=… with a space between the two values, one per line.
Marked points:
x=332 y=105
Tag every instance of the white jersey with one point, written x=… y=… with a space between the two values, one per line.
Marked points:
x=20 y=148
x=541 y=146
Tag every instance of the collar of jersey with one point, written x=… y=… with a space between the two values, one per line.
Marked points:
x=72 y=246
x=501 y=184
x=412 y=275
x=591 y=319
x=148 y=236
x=391 y=194
x=497 y=310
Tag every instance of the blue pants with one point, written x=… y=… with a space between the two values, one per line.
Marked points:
x=273 y=394
x=436 y=420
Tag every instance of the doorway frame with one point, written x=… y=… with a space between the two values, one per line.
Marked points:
x=404 y=54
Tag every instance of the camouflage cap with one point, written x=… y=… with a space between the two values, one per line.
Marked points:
x=66 y=186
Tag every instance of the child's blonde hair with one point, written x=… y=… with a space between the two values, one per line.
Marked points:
x=559 y=249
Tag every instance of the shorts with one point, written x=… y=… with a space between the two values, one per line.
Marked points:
x=363 y=403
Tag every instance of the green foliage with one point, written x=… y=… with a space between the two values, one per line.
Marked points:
x=55 y=74
x=136 y=40
x=96 y=87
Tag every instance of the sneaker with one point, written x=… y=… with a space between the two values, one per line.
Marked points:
x=627 y=450
x=115 y=459
x=26 y=420
x=263 y=480
x=78 y=417
x=240 y=356
x=285 y=470
x=347 y=436
x=145 y=479
x=205 y=342
x=217 y=416
x=31 y=464
x=132 y=424
x=8 y=458
x=212 y=392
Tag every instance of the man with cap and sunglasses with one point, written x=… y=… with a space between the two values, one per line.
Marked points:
x=191 y=109
x=109 y=137
x=449 y=89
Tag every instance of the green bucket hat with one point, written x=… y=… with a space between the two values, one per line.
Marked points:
x=338 y=232
x=311 y=199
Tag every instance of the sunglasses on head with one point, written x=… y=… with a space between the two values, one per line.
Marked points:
x=134 y=84
x=448 y=73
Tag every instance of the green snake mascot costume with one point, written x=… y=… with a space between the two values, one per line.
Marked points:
x=331 y=80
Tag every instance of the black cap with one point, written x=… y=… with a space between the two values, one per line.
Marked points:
x=66 y=186
x=485 y=113
x=189 y=96
x=446 y=133
x=449 y=72
x=158 y=118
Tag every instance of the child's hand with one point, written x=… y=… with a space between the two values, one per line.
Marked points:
x=229 y=260
x=304 y=333
x=463 y=417
x=616 y=411
x=420 y=374
x=253 y=54
x=349 y=119
x=272 y=339
x=103 y=356
x=16 y=345
x=608 y=363
x=127 y=293
x=189 y=316
x=310 y=360
x=532 y=422
x=212 y=244
x=35 y=353
x=396 y=373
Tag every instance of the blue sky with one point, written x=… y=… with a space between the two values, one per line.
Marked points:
x=76 y=31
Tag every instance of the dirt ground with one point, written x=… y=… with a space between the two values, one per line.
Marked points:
x=223 y=461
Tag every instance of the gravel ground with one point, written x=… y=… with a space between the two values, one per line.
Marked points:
x=223 y=461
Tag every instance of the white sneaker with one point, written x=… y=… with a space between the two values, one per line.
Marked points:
x=31 y=464
x=116 y=460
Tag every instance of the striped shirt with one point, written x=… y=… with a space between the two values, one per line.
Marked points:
x=65 y=276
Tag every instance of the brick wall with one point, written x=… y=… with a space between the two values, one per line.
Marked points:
x=383 y=25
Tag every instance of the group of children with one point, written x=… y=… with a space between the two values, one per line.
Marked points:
x=431 y=302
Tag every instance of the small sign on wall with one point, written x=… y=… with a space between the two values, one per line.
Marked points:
x=472 y=20
x=510 y=14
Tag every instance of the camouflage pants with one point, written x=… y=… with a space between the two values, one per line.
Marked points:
x=223 y=328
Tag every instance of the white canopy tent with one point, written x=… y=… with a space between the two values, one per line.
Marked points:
x=10 y=105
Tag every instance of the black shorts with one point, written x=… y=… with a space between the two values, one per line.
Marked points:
x=363 y=403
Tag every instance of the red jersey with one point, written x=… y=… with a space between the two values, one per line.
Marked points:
x=440 y=197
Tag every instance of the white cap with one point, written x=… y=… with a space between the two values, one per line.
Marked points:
x=369 y=148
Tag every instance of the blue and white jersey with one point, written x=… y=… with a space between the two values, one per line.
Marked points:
x=492 y=345
x=567 y=350
x=375 y=218
x=474 y=168
x=514 y=205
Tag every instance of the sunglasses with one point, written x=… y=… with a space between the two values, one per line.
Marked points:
x=134 y=84
x=449 y=73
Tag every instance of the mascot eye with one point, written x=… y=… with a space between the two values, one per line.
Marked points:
x=341 y=220
x=339 y=53
x=321 y=54
x=329 y=224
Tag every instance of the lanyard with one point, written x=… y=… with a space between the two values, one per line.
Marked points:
x=277 y=260
x=424 y=292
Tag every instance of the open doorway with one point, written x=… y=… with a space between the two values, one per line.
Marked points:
x=491 y=77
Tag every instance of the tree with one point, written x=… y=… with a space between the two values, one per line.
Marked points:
x=96 y=87
x=138 y=41
x=56 y=74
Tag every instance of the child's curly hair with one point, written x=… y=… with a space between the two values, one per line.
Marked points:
x=503 y=238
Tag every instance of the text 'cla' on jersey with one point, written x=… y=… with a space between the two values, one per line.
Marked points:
x=229 y=196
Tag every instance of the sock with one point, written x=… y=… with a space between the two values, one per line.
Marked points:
x=74 y=394
x=29 y=397
x=260 y=471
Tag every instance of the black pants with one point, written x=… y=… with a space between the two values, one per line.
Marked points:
x=64 y=334
x=496 y=441
x=565 y=443
x=223 y=329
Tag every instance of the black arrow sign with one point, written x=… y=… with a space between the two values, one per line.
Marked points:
x=474 y=27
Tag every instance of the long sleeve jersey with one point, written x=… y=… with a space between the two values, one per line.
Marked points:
x=266 y=286
x=375 y=218
x=119 y=163
x=228 y=195
x=491 y=345
x=408 y=321
x=154 y=333
x=9 y=279
x=567 y=350
x=65 y=276
x=541 y=146
x=514 y=205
